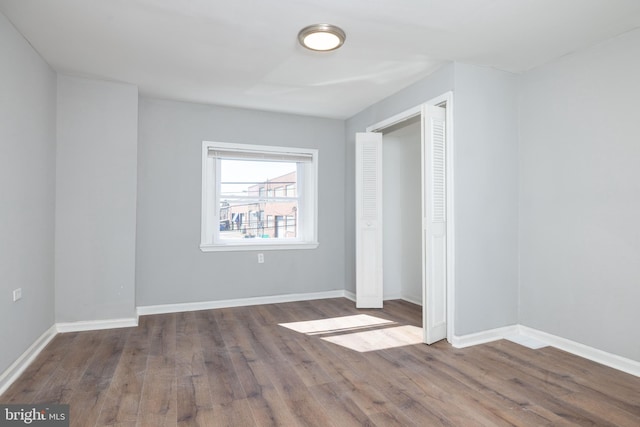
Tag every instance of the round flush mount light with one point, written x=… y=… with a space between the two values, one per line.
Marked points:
x=321 y=37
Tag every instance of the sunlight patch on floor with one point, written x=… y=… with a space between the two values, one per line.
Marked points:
x=379 y=339
x=360 y=332
x=336 y=324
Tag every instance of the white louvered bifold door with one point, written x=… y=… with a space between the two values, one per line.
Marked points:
x=369 y=289
x=434 y=223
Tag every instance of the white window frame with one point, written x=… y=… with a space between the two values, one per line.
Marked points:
x=307 y=178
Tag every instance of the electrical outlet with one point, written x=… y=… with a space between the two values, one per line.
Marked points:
x=17 y=294
x=260 y=258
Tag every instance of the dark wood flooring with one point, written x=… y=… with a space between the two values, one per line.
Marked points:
x=239 y=367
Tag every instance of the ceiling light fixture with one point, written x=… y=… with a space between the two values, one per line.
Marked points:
x=321 y=37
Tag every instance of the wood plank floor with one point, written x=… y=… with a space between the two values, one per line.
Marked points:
x=240 y=367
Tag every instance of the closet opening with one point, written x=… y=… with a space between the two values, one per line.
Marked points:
x=404 y=214
x=401 y=210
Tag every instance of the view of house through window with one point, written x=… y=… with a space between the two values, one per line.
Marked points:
x=258 y=196
x=258 y=199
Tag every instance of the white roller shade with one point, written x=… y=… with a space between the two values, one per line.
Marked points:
x=248 y=154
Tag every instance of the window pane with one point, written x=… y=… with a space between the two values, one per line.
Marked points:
x=252 y=197
x=256 y=178
x=258 y=219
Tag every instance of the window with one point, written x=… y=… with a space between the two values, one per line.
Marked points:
x=258 y=197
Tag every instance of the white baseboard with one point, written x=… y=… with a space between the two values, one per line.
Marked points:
x=13 y=372
x=524 y=334
x=413 y=300
x=350 y=295
x=608 y=359
x=526 y=340
x=95 y=325
x=208 y=305
x=462 y=341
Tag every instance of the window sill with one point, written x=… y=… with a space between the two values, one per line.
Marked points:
x=230 y=247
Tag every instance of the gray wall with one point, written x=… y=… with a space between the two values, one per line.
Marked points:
x=580 y=197
x=486 y=198
x=95 y=199
x=27 y=189
x=170 y=267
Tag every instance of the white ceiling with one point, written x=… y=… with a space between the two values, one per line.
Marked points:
x=244 y=52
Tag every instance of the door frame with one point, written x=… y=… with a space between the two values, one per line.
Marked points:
x=446 y=100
